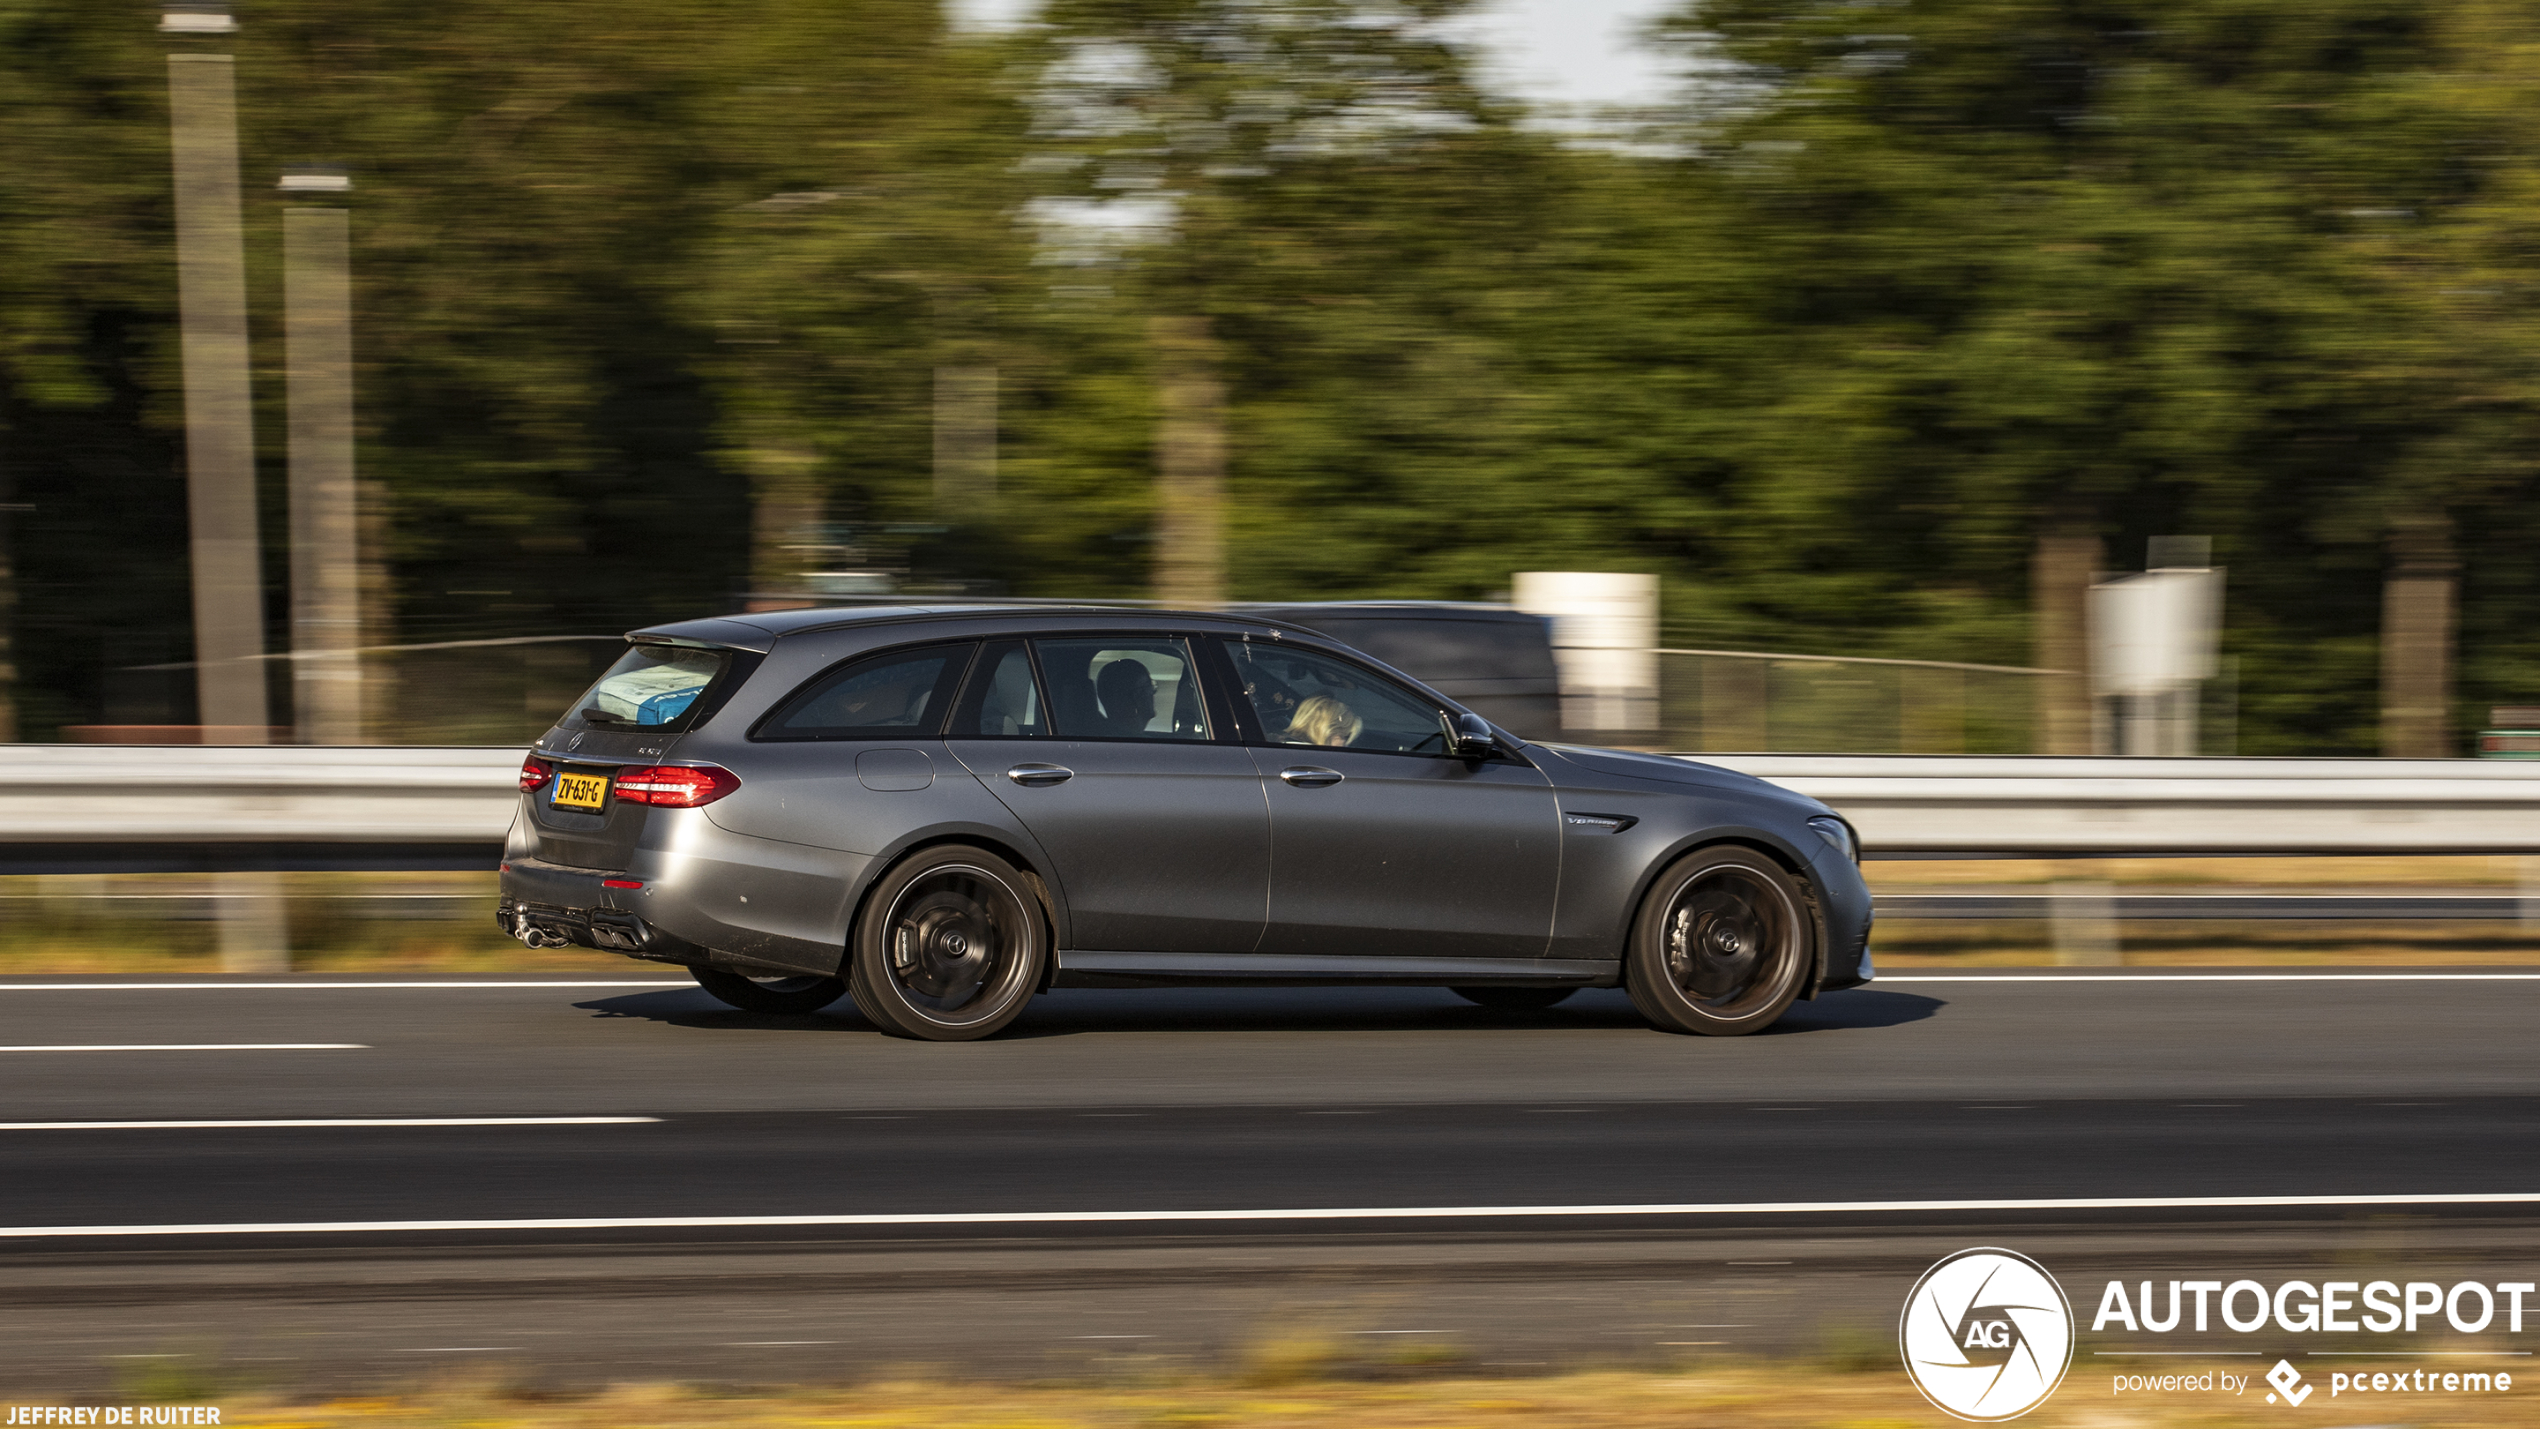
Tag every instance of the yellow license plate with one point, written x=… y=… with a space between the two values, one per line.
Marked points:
x=582 y=791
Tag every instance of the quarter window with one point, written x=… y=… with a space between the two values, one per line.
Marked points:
x=1122 y=688
x=899 y=695
x=652 y=686
x=1303 y=698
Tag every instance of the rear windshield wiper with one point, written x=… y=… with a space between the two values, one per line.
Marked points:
x=601 y=716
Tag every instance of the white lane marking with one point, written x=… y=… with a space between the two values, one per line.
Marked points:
x=240 y=986
x=2220 y=977
x=1333 y=1213
x=195 y=1047
x=326 y=1121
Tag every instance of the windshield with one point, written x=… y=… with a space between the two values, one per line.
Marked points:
x=650 y=687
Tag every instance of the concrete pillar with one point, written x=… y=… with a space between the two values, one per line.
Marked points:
x=786 y=508
x=220 y=451
x=326 y=594
x=965 y=442
x=1931 y=710
x=1190 y=448
x=2418 y=615
x=220 y=435
x=2085 y=924
x=255 y=934
x=2060 y=573
x=1736 y=704
x=8 y=621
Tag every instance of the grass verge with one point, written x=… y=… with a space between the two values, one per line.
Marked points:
x=1754 y=1396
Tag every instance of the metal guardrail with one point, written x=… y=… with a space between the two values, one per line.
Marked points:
x=2231 y=907
x=96 y=806
x=106 y=807
x=1909 y=806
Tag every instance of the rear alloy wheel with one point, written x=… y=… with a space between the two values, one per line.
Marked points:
x=949 y=947
x=771 y=994
x=1513 y=999
x=1721 y=946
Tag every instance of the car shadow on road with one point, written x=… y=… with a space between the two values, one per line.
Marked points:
x=1860 y=1008
x=694 y=1007
x=1072 y=1012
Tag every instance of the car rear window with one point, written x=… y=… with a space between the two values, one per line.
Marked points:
x=900 y=694
x=652 y=686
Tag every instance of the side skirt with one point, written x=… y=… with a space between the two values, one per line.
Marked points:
x=1078 y=968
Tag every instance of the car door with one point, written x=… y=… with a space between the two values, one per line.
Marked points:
x=1381 y=843
x=1107 y=749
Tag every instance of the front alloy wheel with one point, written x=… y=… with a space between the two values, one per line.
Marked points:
x=1722 y=944
x=949 y=947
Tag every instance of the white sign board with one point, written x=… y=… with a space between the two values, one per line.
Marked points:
x=2155 y=631
x=1605 y=638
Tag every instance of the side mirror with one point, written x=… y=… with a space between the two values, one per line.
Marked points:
x=1474 y=738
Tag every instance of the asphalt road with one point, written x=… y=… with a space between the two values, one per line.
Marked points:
x=2164 y=1088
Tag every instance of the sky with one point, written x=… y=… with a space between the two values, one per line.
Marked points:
x=1547 y=52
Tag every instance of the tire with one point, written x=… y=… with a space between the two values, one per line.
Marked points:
x=1513 y=999
x=949 y=947
x=1721 y=945
x=774 y=994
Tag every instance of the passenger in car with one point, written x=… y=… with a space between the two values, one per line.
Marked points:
x=1325 y=721
x=1127 y=693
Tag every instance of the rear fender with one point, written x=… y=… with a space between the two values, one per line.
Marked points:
x=1012 y=845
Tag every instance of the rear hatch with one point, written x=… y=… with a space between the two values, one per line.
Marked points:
x=630 y=719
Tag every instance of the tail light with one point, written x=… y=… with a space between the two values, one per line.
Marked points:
x=676 y=786
x=534 y=773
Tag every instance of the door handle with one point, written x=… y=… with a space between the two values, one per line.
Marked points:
x=1040 y=776
x=1306 y=776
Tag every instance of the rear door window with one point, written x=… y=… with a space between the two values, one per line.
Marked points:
x=653 y=687
x=900 y=694
x=1122 y=687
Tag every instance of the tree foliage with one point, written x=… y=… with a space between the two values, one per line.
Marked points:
x=646 y=290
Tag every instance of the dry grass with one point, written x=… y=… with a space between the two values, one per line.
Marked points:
x=95 y=924
x=1780 y=1396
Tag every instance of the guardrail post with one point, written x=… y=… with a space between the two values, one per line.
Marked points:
x=255 y=932
x=2085 y=924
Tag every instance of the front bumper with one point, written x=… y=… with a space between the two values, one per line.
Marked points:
x=1849 y=914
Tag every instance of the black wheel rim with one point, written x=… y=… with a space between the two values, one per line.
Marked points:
x=957 y=945
x=1732 y=940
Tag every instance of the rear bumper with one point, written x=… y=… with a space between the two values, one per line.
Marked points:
x=545 y=904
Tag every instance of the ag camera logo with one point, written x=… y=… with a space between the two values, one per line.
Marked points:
x=1987 y=1334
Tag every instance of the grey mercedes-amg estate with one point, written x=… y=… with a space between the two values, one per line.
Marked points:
x=944 y=811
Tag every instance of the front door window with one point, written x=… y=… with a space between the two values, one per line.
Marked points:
x=1306 y=699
